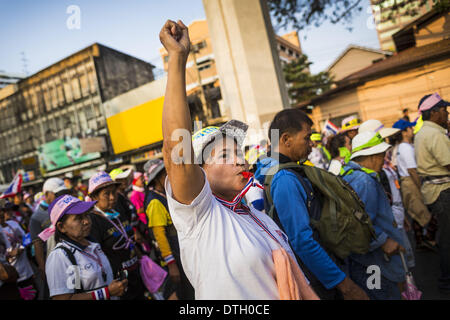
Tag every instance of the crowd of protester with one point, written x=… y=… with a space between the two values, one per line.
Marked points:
x=263 y=226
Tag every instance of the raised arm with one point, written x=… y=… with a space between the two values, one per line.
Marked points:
x=186 y=178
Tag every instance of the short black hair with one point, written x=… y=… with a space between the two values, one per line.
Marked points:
x=405 y=110
x=63 y=193
x=396 y=138
x=289 y=120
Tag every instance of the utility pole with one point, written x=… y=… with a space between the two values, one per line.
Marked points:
x=205 y=103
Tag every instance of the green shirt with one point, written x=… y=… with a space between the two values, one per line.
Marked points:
x=432 y=150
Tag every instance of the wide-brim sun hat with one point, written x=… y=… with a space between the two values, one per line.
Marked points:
x=350 y=123
x=377 y=126
x=99 y=181
x=234 y=129
x=118 y=174
x=152 y=168
x=368 y=143
x=316 y=136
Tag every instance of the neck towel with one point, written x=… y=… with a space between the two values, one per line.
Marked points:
x=291 y=281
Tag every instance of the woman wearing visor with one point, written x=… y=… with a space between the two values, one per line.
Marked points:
x=228 y=251
x=77 y=269
x=113 y=231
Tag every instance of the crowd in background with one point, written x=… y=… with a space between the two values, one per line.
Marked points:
x=305 y=216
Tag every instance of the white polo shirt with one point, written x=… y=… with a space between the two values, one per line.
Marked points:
x=226 y=255
x=61 y=274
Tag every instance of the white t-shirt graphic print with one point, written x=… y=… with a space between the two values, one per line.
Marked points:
x=226 y=255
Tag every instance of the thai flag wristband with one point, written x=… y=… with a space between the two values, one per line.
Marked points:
x=100 y=294
x=169 y=259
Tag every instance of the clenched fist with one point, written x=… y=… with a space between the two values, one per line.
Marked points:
x=118 y=287
x=174 y=36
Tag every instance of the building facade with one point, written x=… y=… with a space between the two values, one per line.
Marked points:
x=7 y=78
x=201 y=67
x=63 y=102
x=353 y=59
x=382 y=90
x=386 y=27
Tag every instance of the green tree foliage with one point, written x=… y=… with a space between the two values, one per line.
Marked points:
x=298 y=14
x=302 y=85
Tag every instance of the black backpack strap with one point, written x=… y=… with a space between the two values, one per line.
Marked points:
x=74 y=262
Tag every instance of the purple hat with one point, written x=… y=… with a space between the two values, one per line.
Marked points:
x=65 y=204
x=100 y=180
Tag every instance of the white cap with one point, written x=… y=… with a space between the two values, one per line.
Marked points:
x=377 y=126
x=54 y=185
x=368 y=143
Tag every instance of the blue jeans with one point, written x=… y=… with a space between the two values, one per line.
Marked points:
x=389 y=290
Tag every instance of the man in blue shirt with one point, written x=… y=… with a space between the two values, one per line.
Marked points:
x=291 y=212
x=368 y=152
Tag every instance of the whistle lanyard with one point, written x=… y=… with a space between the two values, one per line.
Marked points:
x=128 y=242
x=233 y=204
x=95 y=258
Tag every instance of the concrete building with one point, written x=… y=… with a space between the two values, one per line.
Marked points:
x=353 y=59
x=62 y=103
x=382 y=90
x=387 y=27
x=202 y=63
x=7 y=78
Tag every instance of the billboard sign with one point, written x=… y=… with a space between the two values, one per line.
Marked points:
x=62 y=153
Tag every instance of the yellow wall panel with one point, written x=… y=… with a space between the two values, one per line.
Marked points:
x=136 y=127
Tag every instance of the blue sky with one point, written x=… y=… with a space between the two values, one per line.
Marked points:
x=39 y=29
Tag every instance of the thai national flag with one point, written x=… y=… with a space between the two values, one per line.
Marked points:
x=14 y=187
x=330 y=128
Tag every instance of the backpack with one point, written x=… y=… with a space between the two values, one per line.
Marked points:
x=342 y=224
x=72 y=260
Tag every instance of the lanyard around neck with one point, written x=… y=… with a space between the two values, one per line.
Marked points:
x=242 y=209
x=121 y=229
x=233 y=204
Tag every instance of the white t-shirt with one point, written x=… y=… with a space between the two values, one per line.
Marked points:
x=14 y=233
x=225 y=255
x=61 y=274
x=335 y=167
x=405 y=159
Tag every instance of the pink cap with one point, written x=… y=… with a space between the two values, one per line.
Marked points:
x=430 y=102
x=65 y=204
x=60 y=206
x=100 y=179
